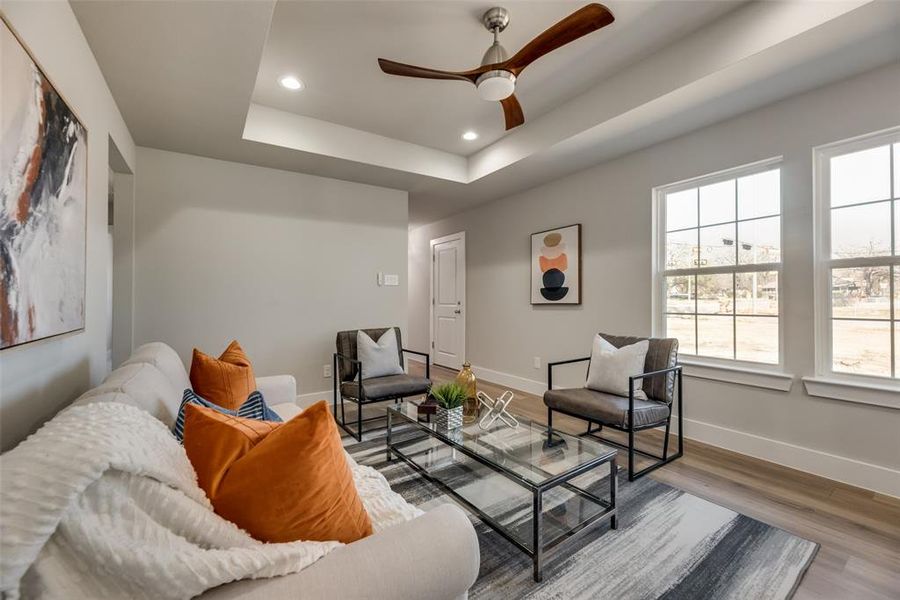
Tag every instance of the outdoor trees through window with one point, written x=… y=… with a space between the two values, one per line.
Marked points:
x=721 y=251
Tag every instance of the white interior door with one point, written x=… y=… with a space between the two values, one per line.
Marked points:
x=448 y=324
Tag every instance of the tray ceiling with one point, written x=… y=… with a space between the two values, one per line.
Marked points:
x=333 y=47
x=202 y=78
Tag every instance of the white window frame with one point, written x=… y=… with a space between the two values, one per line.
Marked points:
x=868 y=389
x=765 y=375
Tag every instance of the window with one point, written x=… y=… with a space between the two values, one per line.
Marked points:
x=858 y=256
x=719 y=264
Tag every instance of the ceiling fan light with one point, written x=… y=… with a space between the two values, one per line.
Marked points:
x=496 y=85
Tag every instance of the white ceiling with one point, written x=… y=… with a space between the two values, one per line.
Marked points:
x=333 y=47
x=201 y=78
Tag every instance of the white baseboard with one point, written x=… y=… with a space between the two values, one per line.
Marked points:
x=514 y=381
x=307 y=400
x=415 y=358
x=831 y=466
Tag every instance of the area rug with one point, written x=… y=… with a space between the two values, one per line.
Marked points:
x=669 y=544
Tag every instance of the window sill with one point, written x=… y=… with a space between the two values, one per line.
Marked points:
x=761 y=378
x=853 y=391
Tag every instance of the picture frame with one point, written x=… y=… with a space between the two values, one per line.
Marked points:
x=44 y=171
x=556 y=266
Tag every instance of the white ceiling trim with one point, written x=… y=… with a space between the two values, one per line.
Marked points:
x=836 y=49
x=290 y=130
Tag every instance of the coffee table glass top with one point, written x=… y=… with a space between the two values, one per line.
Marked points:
x=522 y=451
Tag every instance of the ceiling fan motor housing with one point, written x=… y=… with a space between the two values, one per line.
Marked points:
x=496 y=84
x=495 y=55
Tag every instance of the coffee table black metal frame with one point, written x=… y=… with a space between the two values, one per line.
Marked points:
x=540 y=547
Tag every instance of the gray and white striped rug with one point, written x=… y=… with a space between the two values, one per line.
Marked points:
x=669 y=544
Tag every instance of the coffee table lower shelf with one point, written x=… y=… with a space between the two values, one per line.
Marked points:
x=538 y=546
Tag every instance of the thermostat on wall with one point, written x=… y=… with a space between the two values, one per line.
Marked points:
x=388 y=279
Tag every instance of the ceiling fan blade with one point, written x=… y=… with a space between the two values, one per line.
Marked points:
x=394 y=68
x=512 y=110
x=580 y=23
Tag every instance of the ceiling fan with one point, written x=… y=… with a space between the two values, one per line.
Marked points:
x=495 y=79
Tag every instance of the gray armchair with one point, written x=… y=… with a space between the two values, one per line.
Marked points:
x=349 y=384
x=661 y=377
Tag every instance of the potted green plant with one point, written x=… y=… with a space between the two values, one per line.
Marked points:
x=450 y=398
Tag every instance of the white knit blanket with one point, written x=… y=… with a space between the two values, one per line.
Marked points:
x=102 y=502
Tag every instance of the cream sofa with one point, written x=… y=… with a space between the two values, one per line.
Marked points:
x=434 y=556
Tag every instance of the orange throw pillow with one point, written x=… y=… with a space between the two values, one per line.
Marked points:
x=281 y=482
x=226 y=381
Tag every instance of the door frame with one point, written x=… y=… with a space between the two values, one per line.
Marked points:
x=461 y=236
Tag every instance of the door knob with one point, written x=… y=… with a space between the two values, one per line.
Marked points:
x=457 y=311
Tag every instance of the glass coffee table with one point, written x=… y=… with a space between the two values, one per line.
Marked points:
x=535 y=493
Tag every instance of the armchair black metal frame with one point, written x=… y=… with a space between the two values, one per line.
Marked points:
x=360 y=402
x=630 y=429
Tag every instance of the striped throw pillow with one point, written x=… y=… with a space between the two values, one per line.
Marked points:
x=254 y=408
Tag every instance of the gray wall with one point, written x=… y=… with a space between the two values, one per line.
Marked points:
x=278 y=260
x=38 y=379
x=613 y=202
x=123 y=267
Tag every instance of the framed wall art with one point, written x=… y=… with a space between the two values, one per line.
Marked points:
x=556 y=266
x=43 y=203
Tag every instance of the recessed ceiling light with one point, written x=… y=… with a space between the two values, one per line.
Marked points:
x=291 y=83
x=469 y=136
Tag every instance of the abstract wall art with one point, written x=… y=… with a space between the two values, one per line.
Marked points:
x=43 y=203
x=556 y=266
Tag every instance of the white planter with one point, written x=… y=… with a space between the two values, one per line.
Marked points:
x=446 y=420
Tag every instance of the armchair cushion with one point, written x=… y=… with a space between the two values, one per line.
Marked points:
x=605 y=408
x=611 y=367
x=661 y=354
x=380 y=357
x=391 y=386
x=346 y=346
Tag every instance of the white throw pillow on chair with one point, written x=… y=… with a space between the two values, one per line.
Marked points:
x=378 y=358
x=611 y=367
